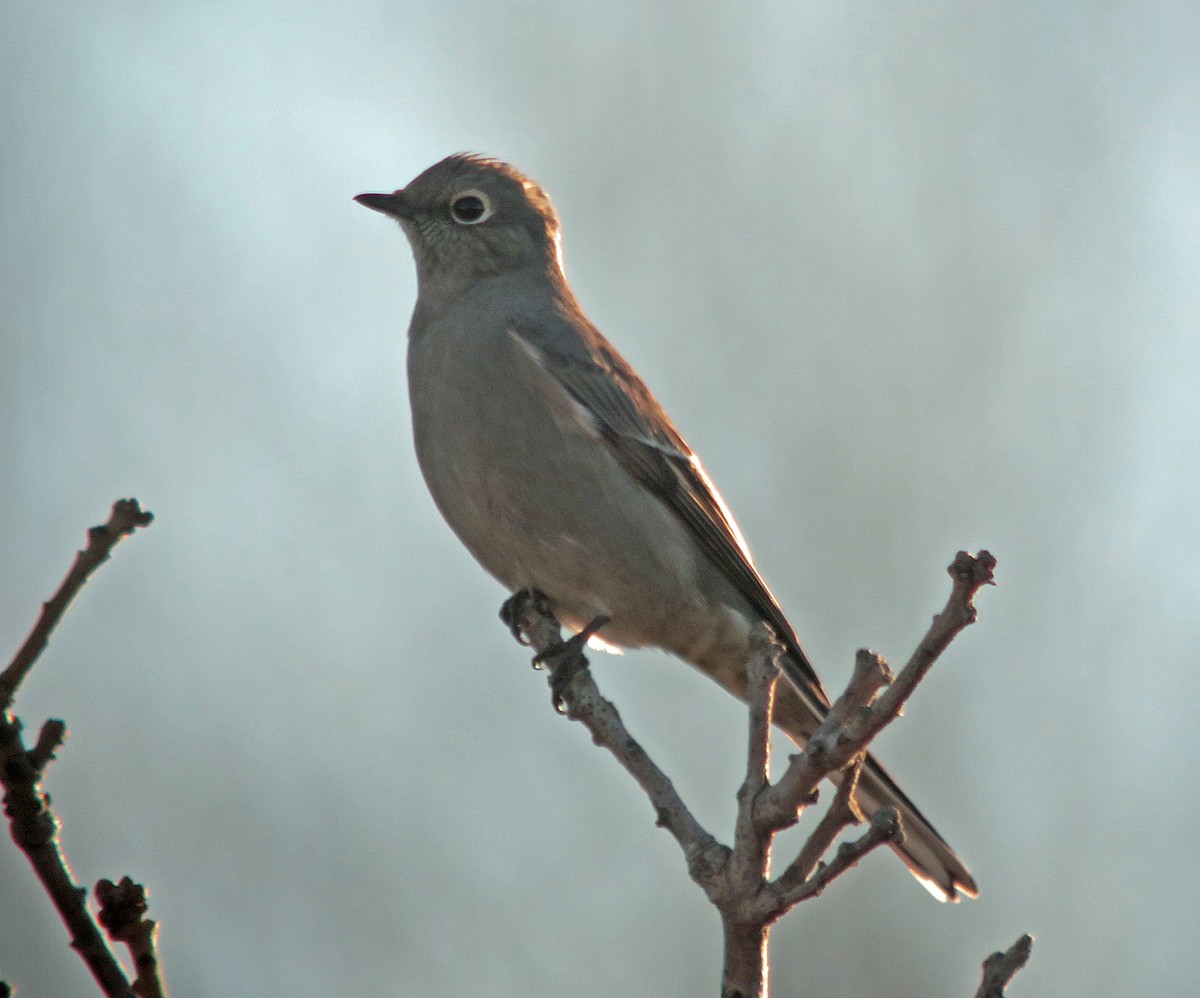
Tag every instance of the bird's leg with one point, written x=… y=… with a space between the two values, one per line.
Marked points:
x=566 y=660
x=515 y=607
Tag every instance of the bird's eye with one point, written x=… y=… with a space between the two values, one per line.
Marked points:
x=471 y=207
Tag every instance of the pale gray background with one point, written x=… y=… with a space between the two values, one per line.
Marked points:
x=909 y=282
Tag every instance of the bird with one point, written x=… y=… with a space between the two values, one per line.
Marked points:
x=561 y=473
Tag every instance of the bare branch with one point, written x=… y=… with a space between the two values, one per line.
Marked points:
x=842 y=814
x=750 y=861
x=736 y=880
x=1000 y=968
x=707 y=859
x=871 y=674
x=126 y=517
x=833 y=746
x=799 y=783
x=745 y=968
x=884 y=828
x=33 y=824
x=34 y=828
x=970 y=574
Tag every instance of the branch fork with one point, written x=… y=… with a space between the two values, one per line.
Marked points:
x=736 y=879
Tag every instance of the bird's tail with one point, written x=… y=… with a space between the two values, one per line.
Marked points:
x=923 y=850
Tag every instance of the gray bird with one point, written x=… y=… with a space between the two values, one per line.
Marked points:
x=560 y=472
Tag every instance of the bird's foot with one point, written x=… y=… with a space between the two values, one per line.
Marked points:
x=566 y=660
x=518 y=604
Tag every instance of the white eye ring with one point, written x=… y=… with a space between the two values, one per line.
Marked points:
x=471 y=207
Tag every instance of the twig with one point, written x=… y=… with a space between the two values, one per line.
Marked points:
x=884 y=828
x=842 y=814
x=1000 y=968
x=871 y=674
x=970 y=574
x=50 y=739
x=126 y=517
x=834 y=745
x=807 y=769
x=122 y=913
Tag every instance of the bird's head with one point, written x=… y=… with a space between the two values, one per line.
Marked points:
x=469 y=217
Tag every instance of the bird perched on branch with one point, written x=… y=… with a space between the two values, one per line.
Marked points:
x=561 y=473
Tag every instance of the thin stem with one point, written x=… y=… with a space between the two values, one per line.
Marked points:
x=126 y=517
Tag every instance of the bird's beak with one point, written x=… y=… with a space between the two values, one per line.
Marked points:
x=394 y=204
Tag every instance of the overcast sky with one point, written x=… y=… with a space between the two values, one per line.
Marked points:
x=908 y=283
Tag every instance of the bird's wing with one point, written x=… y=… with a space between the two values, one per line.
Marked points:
x=632 y=423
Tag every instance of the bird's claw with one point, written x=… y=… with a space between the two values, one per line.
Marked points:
x=518 y=604
x=566 y=661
